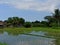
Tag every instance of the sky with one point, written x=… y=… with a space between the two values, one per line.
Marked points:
x=30 y=10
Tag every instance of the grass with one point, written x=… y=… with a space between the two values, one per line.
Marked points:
x=3 y=44
x=51 y=31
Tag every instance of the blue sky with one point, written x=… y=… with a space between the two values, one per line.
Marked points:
x=30 y=10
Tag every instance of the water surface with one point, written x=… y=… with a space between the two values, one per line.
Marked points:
x=22 y=39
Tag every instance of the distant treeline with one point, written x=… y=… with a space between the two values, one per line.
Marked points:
x=50 y=21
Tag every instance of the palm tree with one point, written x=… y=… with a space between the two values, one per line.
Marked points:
x=56 y=16
x=48 y=18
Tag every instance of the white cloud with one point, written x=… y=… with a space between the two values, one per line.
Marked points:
x=38 y=5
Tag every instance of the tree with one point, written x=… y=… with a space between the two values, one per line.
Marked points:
x=15 y=21
x=27 y=24
x=54 y=19
x=21 y=21
x=36 y=23
x=44 y=24
x=9 y=21
x=56 y=15
x=49 y=20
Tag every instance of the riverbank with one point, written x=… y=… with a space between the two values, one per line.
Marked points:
x=55 y=32
x=14 y=30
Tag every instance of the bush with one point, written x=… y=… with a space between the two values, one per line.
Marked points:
x=54 y=24
x=27 y=24
x=36 y=24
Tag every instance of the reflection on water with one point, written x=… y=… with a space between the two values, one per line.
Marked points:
x=25 y=39
x=38 y=33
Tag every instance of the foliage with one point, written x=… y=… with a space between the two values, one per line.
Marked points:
x=44 y=24
x=54 y=20
x=56 y=15
x=51 y=31
x=14 y=21
x=27 y=24
x=3 y=44
x=50 y=21
x=36 y=23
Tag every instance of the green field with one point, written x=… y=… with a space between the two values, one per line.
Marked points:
x=3 y=44
x=55 y=32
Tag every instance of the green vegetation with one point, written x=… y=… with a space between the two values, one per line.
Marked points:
x=3 y=44
x=50 y=21
x=27 y=24
x=55 y=32
x=14 y=22
x=15 y=30
x=16 y=25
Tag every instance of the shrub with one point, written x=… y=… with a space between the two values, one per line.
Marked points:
x=36 y=24
x=27 y=24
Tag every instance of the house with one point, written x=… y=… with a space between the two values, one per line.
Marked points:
x=1 y=24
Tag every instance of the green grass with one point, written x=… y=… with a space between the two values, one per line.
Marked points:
x=3 y=44
x=51 y=31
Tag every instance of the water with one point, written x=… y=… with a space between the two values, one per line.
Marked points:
x=38 y=33
x=26 y=39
